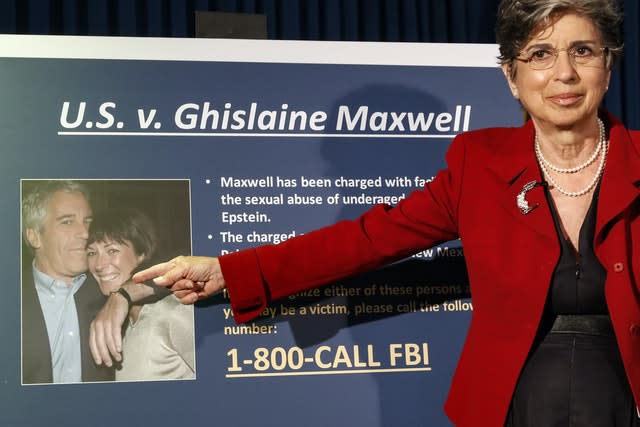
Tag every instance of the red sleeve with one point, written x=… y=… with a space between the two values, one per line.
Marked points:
x=383 y=234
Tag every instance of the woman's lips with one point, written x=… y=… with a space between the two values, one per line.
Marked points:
x=566 y=98
x=107 y=277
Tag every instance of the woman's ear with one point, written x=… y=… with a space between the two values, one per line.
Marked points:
x=141 y=257
x=506 y=70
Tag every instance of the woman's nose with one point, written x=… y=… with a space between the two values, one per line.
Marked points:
x=565 y=67
x=100 y=262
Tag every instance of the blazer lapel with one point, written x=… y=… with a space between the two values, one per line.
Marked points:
x=618 y=188
x=36 y=353
x=516 y=166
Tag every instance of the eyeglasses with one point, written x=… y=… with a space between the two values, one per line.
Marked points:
x=543 y=58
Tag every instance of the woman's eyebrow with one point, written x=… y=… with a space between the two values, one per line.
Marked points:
x=550 y=46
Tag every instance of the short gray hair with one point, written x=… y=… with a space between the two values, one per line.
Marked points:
x=517 y=19
x=36 y=199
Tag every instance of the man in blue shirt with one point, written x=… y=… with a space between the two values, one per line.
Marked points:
x=58 y=299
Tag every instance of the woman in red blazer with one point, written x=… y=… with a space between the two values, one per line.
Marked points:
x=555 y=333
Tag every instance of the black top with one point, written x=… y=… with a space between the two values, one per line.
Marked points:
x=577 y=285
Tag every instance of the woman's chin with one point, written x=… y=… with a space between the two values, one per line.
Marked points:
x=108 y=287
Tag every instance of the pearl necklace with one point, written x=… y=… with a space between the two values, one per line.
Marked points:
x=604 y=146
x=590 y=160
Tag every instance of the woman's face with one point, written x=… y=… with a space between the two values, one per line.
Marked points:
x=567 y=94
x=112 y=263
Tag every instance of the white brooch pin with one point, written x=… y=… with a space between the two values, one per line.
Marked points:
x=522 y=203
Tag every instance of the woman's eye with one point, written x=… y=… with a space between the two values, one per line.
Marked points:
x=582 y=51
x=91 y=253
x=541 y=54
x=113 y=251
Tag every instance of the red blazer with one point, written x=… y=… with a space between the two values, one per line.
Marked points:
x=510 y=257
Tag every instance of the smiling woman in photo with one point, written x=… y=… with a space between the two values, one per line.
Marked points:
x=158 y=341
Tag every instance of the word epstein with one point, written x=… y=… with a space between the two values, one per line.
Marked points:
x=206 y=117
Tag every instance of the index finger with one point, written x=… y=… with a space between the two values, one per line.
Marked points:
x=153 y=272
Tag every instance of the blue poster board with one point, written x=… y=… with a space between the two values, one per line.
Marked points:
x=275 y=139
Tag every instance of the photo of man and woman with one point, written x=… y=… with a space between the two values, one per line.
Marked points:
x=82 y=241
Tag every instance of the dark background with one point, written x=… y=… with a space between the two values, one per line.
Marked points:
x=443 y=21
